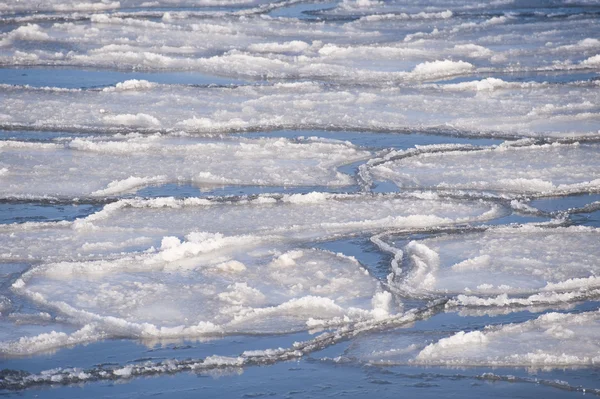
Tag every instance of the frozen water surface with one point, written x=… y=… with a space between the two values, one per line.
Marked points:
x=241 y=198
x=484 y=107
x=99 y=167
x=534 y=170
x=504 y=261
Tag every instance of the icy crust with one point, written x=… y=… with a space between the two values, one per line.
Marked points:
x=202 y=287
x=137 y=225
x=238 y=43
x=538 y=170
x=548 y=110
x=109 y=5
x=20 y=380
x=98 y=167
x=236 y=270
x=552 y=340
x=503 y=267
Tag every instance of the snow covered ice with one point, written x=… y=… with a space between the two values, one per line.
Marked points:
x=117 y=166
x=238 y=182
x=551 y=340
x=480 y=107
x=547 y=263
x=533 y=170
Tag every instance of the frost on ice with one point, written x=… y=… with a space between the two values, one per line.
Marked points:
x=217 y=266
x=535 y=170
x=99 y=167
x=553 y=340
x=478 y=107
x=504 y=267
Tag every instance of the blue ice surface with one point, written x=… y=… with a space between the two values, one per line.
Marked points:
x=20 y=212
x=301 y=10
x=549 y=77
x=553 y=204
x=73 y=78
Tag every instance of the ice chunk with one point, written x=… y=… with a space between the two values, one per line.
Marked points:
x=442 y=68
x=505 y=266
x=184 y=290
x=552 y=340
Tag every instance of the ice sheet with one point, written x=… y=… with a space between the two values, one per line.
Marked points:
x=552 y=340
x=171 y=268
x=206 y=267
x=97 y=167
x=532 y=170
x=569 y=111
x=503 y=266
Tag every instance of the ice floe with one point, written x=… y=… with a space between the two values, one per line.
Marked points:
x=475 y=108
x=550 y=169
x=553 y=340
x=96 y=167
x=203 y=267
x=503 y=266
x=137 y=225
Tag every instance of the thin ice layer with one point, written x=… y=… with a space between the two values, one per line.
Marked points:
x=535 y=170
x=512 y=109
x=110 y=167
x=552 y=340
x=504 y=266
x=137 y=225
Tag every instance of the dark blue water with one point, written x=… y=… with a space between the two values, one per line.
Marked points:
x=553 y=204
x=20 y=212
x=309 y=378
x=71 y=78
